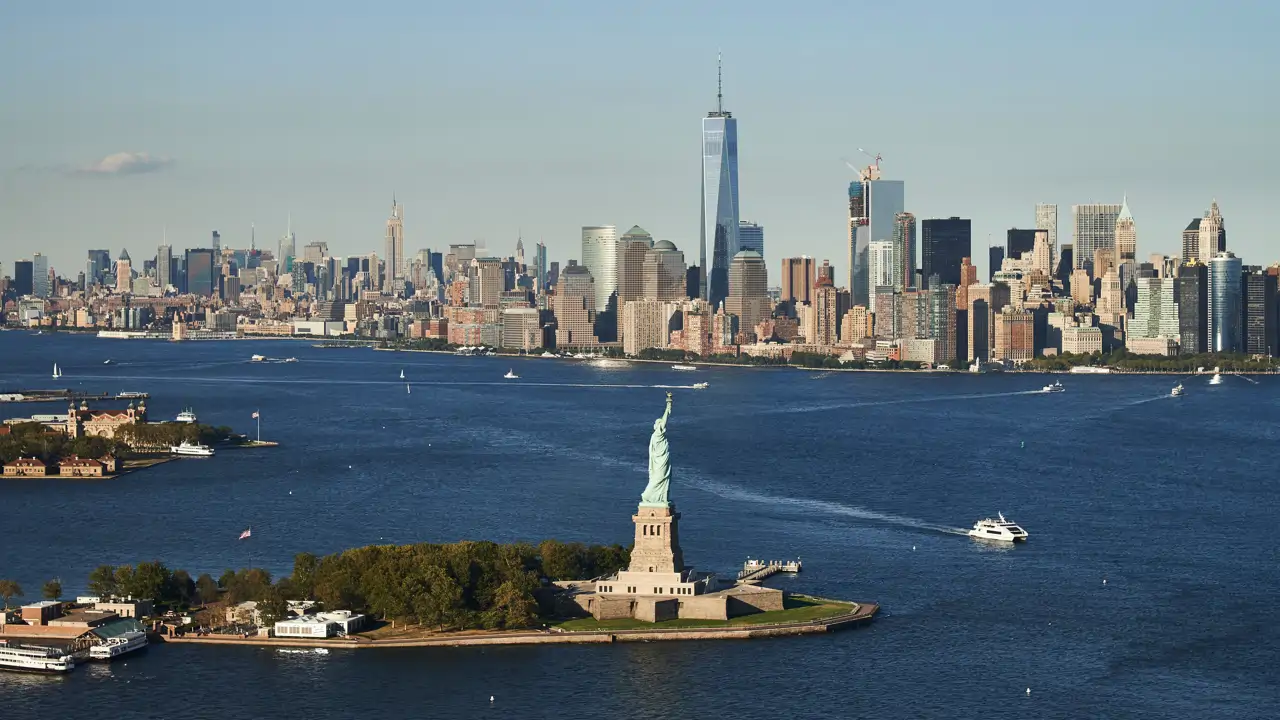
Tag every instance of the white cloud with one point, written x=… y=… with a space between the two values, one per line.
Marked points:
x=128 y=163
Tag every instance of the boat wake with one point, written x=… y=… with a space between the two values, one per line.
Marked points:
x=877 y=403
x=809 y=505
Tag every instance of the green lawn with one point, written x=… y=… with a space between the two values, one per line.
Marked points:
x=798 y=609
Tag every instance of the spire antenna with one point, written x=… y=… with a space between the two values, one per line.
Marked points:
x=719 y=82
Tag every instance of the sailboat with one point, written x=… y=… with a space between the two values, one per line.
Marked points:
x=402 y=374
x=407 y=389
x=56 y=372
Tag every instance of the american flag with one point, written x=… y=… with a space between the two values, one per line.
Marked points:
x=255 y=414
x=248 y=532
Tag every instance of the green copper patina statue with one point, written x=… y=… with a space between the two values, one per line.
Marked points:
x=655 y=493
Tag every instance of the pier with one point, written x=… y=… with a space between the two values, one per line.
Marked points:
x=755 y=571
x=38 y=396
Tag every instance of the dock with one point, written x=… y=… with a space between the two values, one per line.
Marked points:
x=755 y=571
x=39 y=396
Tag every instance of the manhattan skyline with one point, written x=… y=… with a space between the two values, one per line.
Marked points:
x=124 y=145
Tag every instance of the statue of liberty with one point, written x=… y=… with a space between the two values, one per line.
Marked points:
x=655 y=493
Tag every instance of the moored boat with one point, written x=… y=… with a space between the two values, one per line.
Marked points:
x=684 y=367
x=34 y=658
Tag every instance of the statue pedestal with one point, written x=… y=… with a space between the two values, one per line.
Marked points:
x=657 y=544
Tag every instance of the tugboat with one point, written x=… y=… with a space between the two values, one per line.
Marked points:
x=1001 y=529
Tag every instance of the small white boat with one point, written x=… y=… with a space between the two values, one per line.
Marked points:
x=257 y=358
x=292 y=359
x=1176 y=391
x=407 y=391
x=56 y=372
x=1054 y=387
x=107 y=361
x=701 y=386
x=191 y=449
x=684 y=367
x=1002 y=530
x=546 y=354
x=511 y=375
x=401 y=374
x=187 y=416
x=320 y=651
x=1215 y=380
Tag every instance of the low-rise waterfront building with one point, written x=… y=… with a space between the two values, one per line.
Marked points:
x=26 y=467
x=338 y=623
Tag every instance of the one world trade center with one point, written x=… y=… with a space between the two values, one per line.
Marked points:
x=719 y=198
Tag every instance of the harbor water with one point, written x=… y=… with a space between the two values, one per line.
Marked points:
x=870 y=479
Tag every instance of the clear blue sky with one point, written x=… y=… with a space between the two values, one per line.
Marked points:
x=488 y=119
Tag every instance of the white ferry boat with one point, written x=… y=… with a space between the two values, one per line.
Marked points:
x=1054 y=387
x=114 y=647
x=35 y=659
x=189 y=448
x=511 y=375
x=131 y=394
x=187 y=416
x=1176 y=391
x=684 y=367
x=1001 y=529
x=1090 y=370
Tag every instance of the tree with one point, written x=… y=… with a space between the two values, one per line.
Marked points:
x=272 y=608
x=9 y=589
x=305 y=566
x=102 y=581
x=206 y=589
x=183 y=588
x=52 y=590
x=149 y=580
x=513 y=604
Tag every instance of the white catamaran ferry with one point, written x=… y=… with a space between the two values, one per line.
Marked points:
x=189 y=448
x=19 y=658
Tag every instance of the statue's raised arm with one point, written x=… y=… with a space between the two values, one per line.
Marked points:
x=655 y=493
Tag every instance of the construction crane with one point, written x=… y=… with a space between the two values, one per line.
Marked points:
x=870 y=172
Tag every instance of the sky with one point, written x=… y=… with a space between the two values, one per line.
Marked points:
x=124 y=126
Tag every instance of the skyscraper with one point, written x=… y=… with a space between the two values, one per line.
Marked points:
x=1095 y=227
x=1155 y=314
x=164 y=266
x=287 y=252
x=99 y=262
x=944 y=244
x=1258 y=303
x=1126 y=235
x=1191 y=292
x=489 y=283
x=1191 y=241
x=633 y=248
x=1225 y=310
x=873 y=205
x=1047 y=219
x=748 y=290
x=995 y=259
x=664 y=273
x=574 y=307
x=751 y=236
x=797 y=279
x=201 y=272
x=540 y=266
x=393 y=279
x=124 y=273
x=216 y=243
x=23 y=277
x=1213 y=234
x=881 y=271
x=720 y=208
x=904 y=249
x=600 y=258
x=40 y=275
x=823 y=313
x=1018 y=242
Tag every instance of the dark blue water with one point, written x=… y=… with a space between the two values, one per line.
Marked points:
x=1173 y=501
